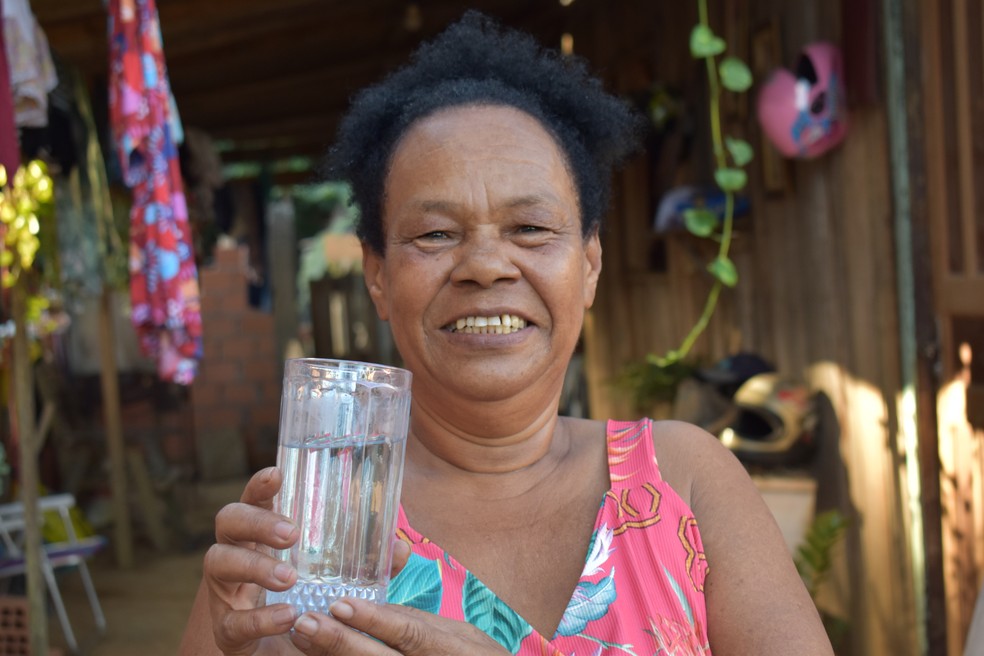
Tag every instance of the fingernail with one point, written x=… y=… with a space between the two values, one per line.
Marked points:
x=283 y=529
x=305 y=625
x=341 y=610
x=283 y=616
x=283 y=572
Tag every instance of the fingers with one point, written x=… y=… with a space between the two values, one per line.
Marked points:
x=232 y=566
x=243 y=627
x=401 y=554
x=406 y=631
x=261 y=488
x=320 y=635
x=241 y=523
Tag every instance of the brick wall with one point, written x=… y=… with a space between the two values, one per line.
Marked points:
x=236 y=396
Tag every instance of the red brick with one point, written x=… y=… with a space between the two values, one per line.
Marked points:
x=204 y=395
x=261 y=371
x=266 y=347
x=231 y=259
x=223 y=372
x=223 y=282
x=217 y=417
x=257 y=323
x=265 y=414
x=244 y=394
x=219 y=326
x=239 y=347
x=272 y=390
x=230 y=302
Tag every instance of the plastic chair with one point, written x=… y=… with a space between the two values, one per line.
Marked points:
x=72 y=551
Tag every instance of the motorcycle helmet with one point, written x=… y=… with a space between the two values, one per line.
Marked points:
x=804 y=113
x=773 y=424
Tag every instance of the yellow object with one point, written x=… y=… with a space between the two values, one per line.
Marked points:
x=30 y=191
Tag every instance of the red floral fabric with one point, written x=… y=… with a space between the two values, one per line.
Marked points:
x=163 y=277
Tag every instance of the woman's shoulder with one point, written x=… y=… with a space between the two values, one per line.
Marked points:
x=686 y=454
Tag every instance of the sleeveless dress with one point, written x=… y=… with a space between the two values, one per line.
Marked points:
x=642 y=588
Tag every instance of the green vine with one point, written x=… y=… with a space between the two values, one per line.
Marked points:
x=731 y=155
x=732 y=74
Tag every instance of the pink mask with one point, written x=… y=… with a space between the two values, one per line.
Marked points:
x=805 y=114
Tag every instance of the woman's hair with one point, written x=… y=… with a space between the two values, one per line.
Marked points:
x=474 y=62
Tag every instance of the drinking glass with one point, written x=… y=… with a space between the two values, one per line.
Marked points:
x=343 y=432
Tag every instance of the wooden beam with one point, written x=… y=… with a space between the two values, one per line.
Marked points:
x=309 y=127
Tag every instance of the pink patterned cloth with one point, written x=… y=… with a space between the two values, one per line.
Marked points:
x=163 y=275
x=642 y=588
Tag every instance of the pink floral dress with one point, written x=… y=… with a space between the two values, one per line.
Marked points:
x=642 y=588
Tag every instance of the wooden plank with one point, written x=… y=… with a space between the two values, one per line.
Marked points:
x=29 y=478
x=959 y=295
x=963 y=101
x=109 y=379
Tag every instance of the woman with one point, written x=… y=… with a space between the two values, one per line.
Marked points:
x=482 y=172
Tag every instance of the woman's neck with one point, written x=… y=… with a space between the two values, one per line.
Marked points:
x=490 y=438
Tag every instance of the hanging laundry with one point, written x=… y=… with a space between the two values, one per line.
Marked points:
x=32 y=73
x=9 y=150
x=163 y=276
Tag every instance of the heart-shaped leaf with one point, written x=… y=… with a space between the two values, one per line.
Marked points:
x=731 y=179
x=724 y=270
x=704 y=43
x=735 y=75
x=700 y=221
x=741 y=151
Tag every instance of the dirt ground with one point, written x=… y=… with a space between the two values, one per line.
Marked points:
x=146 y=607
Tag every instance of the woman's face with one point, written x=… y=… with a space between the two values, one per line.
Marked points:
x=482 y=227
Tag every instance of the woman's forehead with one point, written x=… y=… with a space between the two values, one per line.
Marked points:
x=492 y=145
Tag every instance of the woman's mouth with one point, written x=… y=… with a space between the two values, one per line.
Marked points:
x=493 y=325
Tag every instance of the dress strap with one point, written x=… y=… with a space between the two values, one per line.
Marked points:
x=631 y=456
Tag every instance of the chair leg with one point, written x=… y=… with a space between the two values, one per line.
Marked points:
x=90 y=591
x=49 y=576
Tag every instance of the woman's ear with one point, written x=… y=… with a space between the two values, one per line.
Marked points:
x=373 y=268
x=592 y=268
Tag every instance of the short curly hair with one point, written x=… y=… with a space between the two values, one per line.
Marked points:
x=474 y=62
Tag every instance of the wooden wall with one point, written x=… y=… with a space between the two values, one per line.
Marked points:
x=816 y=294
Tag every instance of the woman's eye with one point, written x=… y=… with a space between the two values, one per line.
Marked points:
x=434 y=235
x=529 y=229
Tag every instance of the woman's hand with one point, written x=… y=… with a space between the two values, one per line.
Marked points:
x=228 y=615
x=396 y=629
x=237 y=570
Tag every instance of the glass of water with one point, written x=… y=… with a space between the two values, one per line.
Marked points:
x=343 y=432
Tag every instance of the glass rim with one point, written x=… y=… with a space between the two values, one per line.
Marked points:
x=341 y=364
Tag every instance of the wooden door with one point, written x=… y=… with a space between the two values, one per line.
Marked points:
x=953 y=84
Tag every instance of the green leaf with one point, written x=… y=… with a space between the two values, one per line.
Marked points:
x=417 y=585
x=731 y=179
x=704 y=43
x=700 y=221
x=724 y=270
x=741 y=151
x=735 y=75
x=487 y=612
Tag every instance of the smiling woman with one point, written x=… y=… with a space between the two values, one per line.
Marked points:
x=482 y=172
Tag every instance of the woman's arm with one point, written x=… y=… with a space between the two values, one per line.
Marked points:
x=756 y=601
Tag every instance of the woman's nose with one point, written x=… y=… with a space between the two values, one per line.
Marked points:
x=484 y=260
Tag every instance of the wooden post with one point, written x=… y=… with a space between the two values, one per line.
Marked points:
x=23 y=382
x=122 y=533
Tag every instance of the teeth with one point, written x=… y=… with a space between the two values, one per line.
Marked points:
x=493 y=325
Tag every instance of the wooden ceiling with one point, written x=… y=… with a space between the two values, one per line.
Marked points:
x=270 y=78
